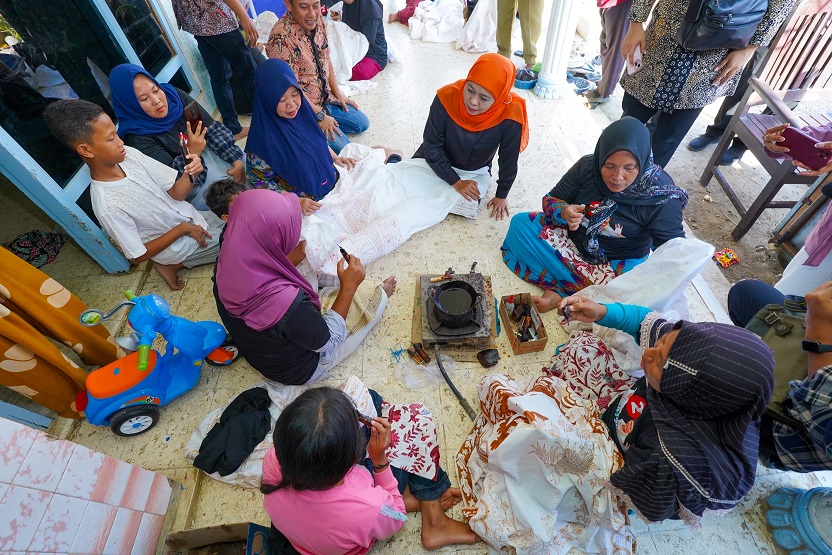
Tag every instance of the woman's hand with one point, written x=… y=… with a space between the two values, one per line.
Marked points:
x=194 y=166
x=309 y=206
x=774 y=135
x=237 y=171
x=350 y=275
x=582 y=309
x=379 y=441
x=809 y=171
x=732 y=63
x=298 y=253
x=344 y=162
x=330 y=128
x=573 y=214
x=499 y=208
x=634 y=37
x=468 y=189
x=196 y=139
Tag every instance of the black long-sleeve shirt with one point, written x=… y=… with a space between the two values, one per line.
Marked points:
x=446 y=145
x=373 y=29
x=643 y=227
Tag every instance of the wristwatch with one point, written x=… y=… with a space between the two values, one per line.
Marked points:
x=815 y=347
x=320 y=115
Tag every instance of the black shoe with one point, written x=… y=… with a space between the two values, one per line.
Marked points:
x=731 y=155
x=518 y=53
x=702 y=141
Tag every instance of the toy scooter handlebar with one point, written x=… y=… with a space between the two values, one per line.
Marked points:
x=144 y=352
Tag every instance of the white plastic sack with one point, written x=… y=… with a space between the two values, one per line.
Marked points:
x=437 y=21
x=417 y=376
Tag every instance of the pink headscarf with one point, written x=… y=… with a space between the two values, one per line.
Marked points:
x=255 y=279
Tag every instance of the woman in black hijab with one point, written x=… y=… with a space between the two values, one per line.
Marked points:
x=689 y=430
x=601 y=219
x=365 y=16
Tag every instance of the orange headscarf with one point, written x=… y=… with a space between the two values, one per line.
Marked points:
x=495 y=73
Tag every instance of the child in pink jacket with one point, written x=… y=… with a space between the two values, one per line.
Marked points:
x=322 y=498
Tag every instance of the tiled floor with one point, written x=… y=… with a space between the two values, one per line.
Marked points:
x=560 y=133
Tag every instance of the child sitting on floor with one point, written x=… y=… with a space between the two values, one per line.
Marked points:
x=317 y=473
x=138 y=200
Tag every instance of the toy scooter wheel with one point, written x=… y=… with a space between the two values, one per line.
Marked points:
x=223 y=355
x=134 y=420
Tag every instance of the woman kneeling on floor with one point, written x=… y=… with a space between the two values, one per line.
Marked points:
x=273 y=312
x=601 y=220
x=328 y=490
x=689 y=430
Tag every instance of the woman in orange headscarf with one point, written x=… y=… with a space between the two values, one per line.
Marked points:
x=469 y=121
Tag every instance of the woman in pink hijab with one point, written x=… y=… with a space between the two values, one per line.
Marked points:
x=266 y=304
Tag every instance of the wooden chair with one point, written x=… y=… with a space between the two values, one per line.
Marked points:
x=797 y=67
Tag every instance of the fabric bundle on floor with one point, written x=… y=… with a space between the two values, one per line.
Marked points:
x=242 y=426
x=534 y=468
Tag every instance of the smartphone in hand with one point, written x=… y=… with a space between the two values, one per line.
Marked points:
x=802 y=148
x=638 y=61
x=193 y=116
x=183 y=149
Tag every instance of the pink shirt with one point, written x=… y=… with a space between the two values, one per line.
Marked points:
x=344 y=520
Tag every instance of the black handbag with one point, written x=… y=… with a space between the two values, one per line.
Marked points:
x=718 y=24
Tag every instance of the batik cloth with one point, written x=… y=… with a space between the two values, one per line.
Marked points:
x=545 y=256
x=533 y=469
x=34 y=307
x=204 y=18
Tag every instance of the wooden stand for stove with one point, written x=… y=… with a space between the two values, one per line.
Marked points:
x=460 y=353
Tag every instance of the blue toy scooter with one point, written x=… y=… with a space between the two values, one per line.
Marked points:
x=127 y=394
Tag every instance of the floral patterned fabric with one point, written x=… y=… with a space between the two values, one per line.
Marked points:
x=533 y=471
x=204 y=18
x=260 y=175
x=589 y=367
x=413 y=443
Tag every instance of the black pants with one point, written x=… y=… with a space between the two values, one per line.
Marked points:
x=726 y=109
x=217 y=51
x=747 y=297
x=670 y=127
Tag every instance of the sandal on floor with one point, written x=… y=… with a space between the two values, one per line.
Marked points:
x=594 y=98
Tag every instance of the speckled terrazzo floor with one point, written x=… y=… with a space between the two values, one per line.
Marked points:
x=560 y=133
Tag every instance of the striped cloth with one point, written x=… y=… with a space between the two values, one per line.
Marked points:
x=715 y=385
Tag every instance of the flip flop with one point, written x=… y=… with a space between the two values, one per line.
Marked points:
x=594 y=98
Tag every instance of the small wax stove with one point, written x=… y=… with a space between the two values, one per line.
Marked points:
x=475 y=334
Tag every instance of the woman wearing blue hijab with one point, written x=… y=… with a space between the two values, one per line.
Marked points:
x=150 y=118
x=286 y=149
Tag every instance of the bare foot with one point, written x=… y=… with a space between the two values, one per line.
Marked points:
x=450 y=498
x=243 y=133
x=392 y=18
x=548 y=301
x=389 y=286
x=168 y=273
x=439 y=530
x=411 y=504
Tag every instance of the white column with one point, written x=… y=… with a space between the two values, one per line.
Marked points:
x=551 y=82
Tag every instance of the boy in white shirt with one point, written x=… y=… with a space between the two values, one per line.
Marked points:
x=138 y=200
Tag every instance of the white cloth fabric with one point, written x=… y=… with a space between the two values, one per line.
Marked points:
x=799 y=279
x=437 y=21
x=658 y=283
x=346 y=48
x=375 y=207
x=470 y=208
x=480 y=31
x=137 y=209
x=264 y=24
x=533 y=472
